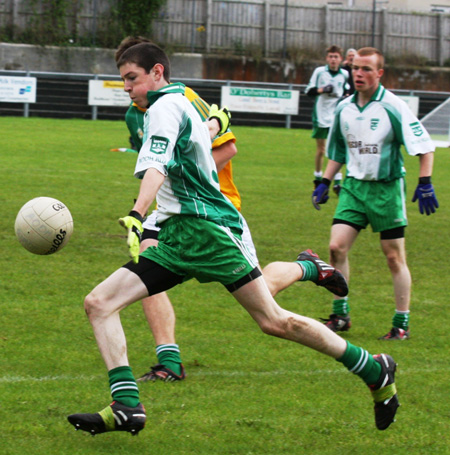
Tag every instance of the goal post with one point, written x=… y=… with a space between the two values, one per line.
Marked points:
x=437 y=123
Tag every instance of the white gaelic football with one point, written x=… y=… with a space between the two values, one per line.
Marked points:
x=44 y=225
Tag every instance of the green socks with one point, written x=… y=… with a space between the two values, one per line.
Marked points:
x=360 y=362
x=310 y=272
x=401 y=320
x=123 y=386
x=169 y=356
x=341 y=307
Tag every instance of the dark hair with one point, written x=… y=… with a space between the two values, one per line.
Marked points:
x=335 y=50
x=368 y=51
x=127 y=42
x=146 y=55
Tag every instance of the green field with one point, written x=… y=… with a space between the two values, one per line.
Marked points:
x=245 y=393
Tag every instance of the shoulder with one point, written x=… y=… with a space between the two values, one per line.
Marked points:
x=394 y=104
x=345 y=103
x=190 y=94
x=344 y=72
x=320 y=69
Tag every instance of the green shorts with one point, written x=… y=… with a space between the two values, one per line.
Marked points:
x=196 y=248
x=319 y=133
x=380 y=204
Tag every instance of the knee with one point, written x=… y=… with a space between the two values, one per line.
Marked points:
x=394 y=261
x=337 y=251
x=273 y=327
x=92 y=305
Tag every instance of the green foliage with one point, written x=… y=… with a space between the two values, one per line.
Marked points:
x=126 y=18
x=245 y=393
x=46 y=25
x=136 y=16
x=54 y=22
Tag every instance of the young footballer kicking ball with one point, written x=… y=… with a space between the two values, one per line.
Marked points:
x=200 y=238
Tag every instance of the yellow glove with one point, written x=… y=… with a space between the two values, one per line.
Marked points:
x=133 y=224
x=223 y=116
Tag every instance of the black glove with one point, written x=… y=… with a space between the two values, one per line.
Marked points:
x=328 y=88
x=320 y=194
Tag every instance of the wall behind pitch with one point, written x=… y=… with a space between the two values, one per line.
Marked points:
x=25 y=57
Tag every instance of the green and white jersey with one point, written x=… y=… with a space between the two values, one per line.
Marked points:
x=134 y=118
x=325 y=104
x=368 y=139
x=177 y=143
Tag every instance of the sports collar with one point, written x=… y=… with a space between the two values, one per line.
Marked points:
x=377 y=96
x=332 y=72
x=176 y=87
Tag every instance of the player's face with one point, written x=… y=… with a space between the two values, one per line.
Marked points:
x=349 y=58
x=366 y=75
x=334 y=59
x=138 y=82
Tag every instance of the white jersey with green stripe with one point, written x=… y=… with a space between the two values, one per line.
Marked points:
x=325 y=104
x=368 y=139
x=177 y=143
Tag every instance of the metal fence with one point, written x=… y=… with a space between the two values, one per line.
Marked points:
x=61 y=95
x=266 y=28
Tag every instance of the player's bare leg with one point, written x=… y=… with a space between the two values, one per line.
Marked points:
x=102 y=306
x=320 y=154
x=161 y=319
x=274 y=320
x=160 y=316
x=394 y=250
x=378 y=372
x=341 y=240
x=280 y=275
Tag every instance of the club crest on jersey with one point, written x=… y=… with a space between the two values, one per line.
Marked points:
x=374 y=122
x=416 y=128
x=159 y=145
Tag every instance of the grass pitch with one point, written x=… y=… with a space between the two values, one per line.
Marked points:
x=246 y=393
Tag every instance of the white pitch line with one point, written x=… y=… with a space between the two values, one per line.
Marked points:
x=284 y=373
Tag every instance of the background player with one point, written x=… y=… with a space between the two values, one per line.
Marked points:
x=327 y=85
x=347 y=66
x=367 y=133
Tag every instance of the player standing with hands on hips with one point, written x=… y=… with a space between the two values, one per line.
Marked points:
x=200 y=238
x=366 y=136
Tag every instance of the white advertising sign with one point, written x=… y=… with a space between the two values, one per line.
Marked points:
x=17 y=89
x=412 y=102
x=264 y=101
x=107 y=93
